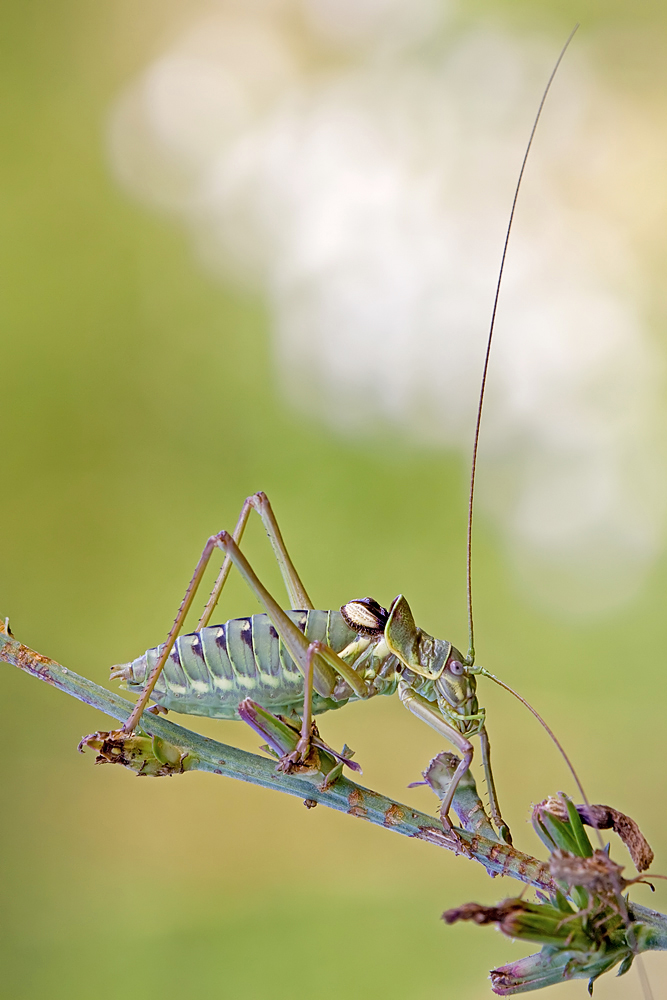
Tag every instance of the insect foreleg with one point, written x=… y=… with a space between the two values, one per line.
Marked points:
x=501 y=826
x=430 y=714
x=299 y=599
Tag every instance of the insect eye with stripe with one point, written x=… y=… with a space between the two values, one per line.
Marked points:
x=455 y=667
x=365 y=616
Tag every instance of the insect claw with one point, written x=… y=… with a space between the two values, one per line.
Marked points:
x=298 y=764
x=461 y=846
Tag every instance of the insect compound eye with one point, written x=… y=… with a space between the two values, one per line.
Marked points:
x=365 y=616
x=455 y=667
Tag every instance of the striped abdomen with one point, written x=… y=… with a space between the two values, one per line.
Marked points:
x=210 y=672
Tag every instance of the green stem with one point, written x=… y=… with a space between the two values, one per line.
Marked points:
x=656 y=938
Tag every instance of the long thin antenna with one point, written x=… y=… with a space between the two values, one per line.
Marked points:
x=549 y=731
x=471 y=631
x=641 y=969
x=643 y=977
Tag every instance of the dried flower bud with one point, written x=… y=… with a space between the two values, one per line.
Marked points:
x=559 y=826
x=599 y=874
x=149 y=756
x=518 y=918
x=608 y=818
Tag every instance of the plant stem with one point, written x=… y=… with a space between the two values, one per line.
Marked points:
x=219 y=758
x=345 y=796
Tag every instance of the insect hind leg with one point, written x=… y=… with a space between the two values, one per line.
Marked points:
x=186 y=604
x=299 y=599
x=327 y=665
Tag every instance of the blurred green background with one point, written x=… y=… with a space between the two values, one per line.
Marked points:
x=138 y=410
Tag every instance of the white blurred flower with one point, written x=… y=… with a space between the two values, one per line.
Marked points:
x=368 y=201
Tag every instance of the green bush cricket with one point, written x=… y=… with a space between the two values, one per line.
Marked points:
x=308 y=661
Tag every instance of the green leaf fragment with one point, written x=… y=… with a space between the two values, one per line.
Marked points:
x=584 y=848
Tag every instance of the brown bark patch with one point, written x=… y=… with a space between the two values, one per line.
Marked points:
x=394 y=815
x=355 y=804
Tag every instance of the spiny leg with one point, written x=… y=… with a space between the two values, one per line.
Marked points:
x=429 y=714
x=309 y=733
x=226 y=566
x=303 y=746
x=501 y=825
x=186 y=603
x=324 y=675
x=299 y=599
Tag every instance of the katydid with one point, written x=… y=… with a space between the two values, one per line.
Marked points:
x=310 y=661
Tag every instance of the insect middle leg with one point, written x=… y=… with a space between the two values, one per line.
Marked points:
x=302 y=749
x=501 y=825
